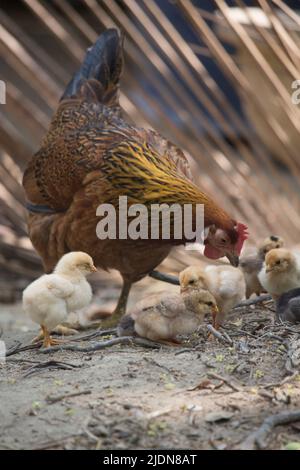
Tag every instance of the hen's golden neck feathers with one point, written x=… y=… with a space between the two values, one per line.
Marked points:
x=143 y=175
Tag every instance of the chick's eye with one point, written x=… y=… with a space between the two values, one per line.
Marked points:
x=278 y=262
x=192 y=281
x=210 y=304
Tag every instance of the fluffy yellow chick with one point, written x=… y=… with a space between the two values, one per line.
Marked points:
x=161 y=317
x=252 y=261
x=281 y=272
x=224 y=282
x=50 y=298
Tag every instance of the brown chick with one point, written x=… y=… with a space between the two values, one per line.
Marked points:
x=252 y=261
x=161 y=317
x=224 y=282
x=281 y=272
x=91 y=156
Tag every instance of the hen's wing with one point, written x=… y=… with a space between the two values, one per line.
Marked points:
x=59 y=286
x=79 y=131
x=165 y=147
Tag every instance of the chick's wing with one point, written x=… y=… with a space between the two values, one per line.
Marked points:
x=59 y=286
x=167 y=305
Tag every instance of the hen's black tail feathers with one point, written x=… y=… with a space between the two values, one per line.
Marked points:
x=99 y=75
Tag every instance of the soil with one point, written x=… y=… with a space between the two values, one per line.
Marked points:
x=133 y=397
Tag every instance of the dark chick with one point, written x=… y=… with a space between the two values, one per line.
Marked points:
x=92 y=156
x=288 y=306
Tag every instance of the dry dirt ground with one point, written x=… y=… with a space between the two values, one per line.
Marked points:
x=201 y=395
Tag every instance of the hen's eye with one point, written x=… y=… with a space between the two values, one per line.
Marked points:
x=223 y=240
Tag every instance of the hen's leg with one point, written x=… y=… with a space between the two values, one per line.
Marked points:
x=120 y=309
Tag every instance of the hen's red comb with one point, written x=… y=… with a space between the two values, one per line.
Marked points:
x=242 y=236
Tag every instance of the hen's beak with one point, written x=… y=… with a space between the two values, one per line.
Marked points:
x=232 y=258
x=94 y=269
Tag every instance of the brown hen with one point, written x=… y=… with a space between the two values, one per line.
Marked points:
x=91 y=156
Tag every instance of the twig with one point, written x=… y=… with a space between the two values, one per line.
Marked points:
x=213 y=375
x=288 y=378
x=244 y=332
x=16 y=349
x=258 y=437
x=257 y=300
x=49 y=364
x=104 y=344
x=95 y=334
x=53 y=399
x=54 y=443
x=15 y=359
x=153 y=362
x=184 y=350
x=218 y=335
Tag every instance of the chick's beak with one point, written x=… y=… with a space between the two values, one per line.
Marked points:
x=94 y=269
x=269 y=269
x=233 y=258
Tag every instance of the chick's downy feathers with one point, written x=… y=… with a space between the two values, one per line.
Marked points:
x=280 y=272
x=50 y=298
x=164 y=316
x=224 y=282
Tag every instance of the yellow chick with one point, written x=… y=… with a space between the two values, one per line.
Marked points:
x=281 y=272
x=161 y=317
x=225 y=283
x=50 y=298
x=252 y=261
